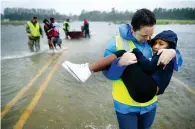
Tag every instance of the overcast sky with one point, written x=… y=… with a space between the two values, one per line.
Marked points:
x=75 y=6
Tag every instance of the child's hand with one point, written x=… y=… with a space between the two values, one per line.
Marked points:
x=166 y=56
x=127 y=59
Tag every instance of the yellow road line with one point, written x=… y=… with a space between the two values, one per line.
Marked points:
x=26 y=114
x=184 y=85
x=25 y=88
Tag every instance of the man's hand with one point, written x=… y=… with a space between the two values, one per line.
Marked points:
x=166 y=56
x=127 y=59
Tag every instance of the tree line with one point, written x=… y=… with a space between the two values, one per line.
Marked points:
x=26 y=14
x=112 y=15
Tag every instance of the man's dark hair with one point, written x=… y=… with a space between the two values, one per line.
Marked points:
x=143 y=17
x=45 y=21
x=34 y=17
x=51 y=19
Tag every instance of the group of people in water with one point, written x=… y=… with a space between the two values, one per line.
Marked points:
x=140 y=67
x=51 y=28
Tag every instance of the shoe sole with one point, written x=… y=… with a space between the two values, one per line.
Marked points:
x=70 y=71
x=68 y=64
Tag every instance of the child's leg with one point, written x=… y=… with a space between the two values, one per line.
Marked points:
x=60 y=46
x=140 y=85
x=51 y=42
x=83 y=71
x=59 y=43
x=102 y=63
x=105 y=62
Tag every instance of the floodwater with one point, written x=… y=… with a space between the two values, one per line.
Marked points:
x=58 y=101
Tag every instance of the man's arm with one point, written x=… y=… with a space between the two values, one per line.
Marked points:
x=27 y=29
x=114 y=71
x=45 y=29
x=84 y=27
x=66 y=26
x=40 y=30
x=167 y=55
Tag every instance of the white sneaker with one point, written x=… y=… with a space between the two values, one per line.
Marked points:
x=81 y=71
x=69 y=71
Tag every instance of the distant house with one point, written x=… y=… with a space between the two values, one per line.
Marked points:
x=6 y=20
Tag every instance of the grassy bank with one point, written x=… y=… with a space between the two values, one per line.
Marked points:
x=163 y=22
x=13 y=22
x=159 y=22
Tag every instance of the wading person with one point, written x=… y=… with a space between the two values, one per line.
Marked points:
x=34 y=32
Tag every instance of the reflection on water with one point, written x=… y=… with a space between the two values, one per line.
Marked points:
x=67 y=104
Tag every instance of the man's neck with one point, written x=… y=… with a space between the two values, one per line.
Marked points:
x=135 y=37
x=33 y=22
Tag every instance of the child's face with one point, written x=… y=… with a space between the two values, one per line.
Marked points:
x=159 y=44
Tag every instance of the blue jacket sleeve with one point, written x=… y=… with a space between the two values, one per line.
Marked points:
x=115 y=71
x=178 y=61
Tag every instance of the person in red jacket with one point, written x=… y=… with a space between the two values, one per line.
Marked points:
x=55 y=40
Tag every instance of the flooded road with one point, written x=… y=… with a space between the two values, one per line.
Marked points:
x=42 y=91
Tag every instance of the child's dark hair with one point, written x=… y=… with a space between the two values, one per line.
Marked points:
x=143 y=17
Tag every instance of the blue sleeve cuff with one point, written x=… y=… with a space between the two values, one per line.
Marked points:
x=115 y=71
x=178 y=61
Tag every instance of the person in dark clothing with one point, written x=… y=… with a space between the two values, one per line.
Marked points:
x=144 y=79
x=52 y=31
x=48 y=31
x=86 y=29
x=47 y=27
